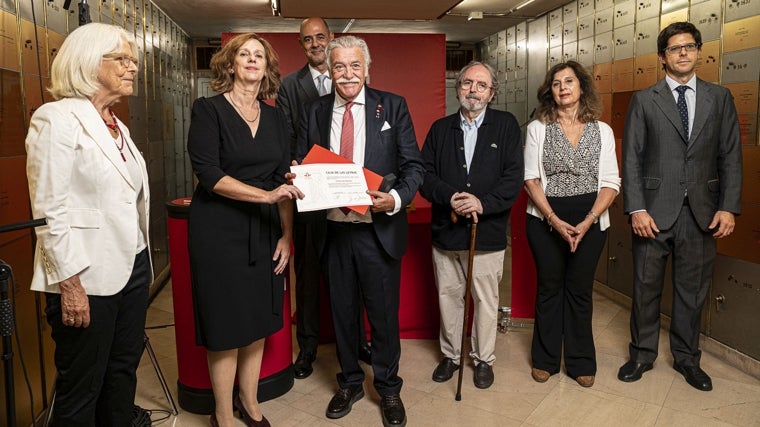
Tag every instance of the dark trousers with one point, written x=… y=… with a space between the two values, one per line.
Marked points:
x=308 y=269
x=693 y=253
x=359 y=269
x=564 y=305
x=97 y=365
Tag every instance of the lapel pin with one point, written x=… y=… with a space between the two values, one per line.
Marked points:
x=378 y=110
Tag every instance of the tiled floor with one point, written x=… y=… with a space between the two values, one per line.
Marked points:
x=661 y=398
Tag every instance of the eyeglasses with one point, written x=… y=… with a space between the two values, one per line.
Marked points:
x=675 y=50
x=125 y=60
x=479 y=86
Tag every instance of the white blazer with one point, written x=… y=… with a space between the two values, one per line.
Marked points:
x=609 y=176
x=79 y=182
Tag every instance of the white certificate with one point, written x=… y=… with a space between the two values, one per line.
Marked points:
x=330 y=185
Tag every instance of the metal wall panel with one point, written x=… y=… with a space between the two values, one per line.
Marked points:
x=751 y=174
x=570 y=31
x=8 y=5
x=603 y=21
x=741 y=9
x=34 y=57
x=569 y=13
x=521 y=59
x=603 y=4
x=708 y=63
x=646 y=71
x=8 y=39
x=603 y=47
x=622 y=75
x=707 y=17
x=646 y=9
x=742 y=34
x=555 y=56
x=646 y=36
x=55 y=17
x=106 y=11
x=555 y=18
x=586 y=51
x=521 y=31
x=32 y=10
x=511 y=35
x=603 y=77
x=570 y=51
x=11 y=111
x=521 y=91
x=555 y=37
x=586 y=26
x=745 y=100
x=675 y=16
x=624 y=12
x=623 y=37
x=671 y=5
x=537 y=58
x=585 y=8
x=734 y=299
x=741 y=66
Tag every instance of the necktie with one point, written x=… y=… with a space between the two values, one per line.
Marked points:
x=347 y=134
x=321 y=88
x=347 y=140
x=683 y=110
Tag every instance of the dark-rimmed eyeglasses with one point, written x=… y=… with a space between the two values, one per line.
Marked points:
x=675 y=50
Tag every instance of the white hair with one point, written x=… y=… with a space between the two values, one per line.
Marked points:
x=349 y=42
x=74 y=73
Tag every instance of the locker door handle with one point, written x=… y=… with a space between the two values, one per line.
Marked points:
x=719 y=300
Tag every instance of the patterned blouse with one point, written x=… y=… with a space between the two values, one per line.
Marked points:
x=571 y=171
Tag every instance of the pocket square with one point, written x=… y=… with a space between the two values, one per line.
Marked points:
x=386 y=126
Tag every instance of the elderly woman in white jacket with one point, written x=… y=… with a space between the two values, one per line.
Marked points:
x=89 y=180
x=571 y=177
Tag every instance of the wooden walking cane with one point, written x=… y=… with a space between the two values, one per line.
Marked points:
x=468 y=285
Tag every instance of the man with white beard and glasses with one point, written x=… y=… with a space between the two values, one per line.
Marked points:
x=474 y=171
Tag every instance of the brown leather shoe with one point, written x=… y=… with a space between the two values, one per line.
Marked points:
x=585 y=380
x=540 y=375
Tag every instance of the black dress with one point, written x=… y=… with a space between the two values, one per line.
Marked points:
x=237 y=298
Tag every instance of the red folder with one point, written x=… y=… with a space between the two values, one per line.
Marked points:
x=319 y=154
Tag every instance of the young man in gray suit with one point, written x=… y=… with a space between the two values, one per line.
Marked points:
x=682 y=173
x=298 y=89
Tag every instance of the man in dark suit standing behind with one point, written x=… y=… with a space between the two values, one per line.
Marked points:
x=682 y=172
x=363 y=252
x=298 y=89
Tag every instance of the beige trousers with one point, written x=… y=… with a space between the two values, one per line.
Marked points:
x=450 y=276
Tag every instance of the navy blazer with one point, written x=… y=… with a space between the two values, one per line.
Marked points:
x=495 y=177
x=393 y=150
x=660 y=164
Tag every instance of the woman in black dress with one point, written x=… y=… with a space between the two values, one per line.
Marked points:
x=240 y=221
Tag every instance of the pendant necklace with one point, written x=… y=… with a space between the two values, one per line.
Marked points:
x=240 y=110
x=115 y=127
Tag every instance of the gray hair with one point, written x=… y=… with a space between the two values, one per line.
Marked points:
x=349 y=42
x=74 y=73
x=491 y=71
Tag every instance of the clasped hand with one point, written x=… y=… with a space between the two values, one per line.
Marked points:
x=573 y=235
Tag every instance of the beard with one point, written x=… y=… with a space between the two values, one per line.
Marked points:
x=472 y=102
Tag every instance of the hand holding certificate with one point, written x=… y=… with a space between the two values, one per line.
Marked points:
x=330 y=185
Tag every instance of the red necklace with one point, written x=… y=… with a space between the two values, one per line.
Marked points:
x=115 y=127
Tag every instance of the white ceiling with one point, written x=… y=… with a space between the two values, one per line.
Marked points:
x=208 y=19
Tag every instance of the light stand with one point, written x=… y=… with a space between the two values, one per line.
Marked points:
x=7 y=322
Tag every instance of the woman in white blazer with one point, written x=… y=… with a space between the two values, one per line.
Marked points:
x=571 y=177
x=88 y=179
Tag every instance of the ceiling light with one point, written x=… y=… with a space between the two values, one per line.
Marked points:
x=476 y=15
x=523 y=4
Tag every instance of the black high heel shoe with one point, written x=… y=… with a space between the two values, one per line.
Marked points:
x=247 y=418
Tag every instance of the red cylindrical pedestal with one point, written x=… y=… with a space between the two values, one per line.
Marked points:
x=193 y=382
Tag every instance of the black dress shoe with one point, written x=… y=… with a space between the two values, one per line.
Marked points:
x=483 y=377
x=365 y=354
x=632 y=371
x=302 y=368
x=695 y=376
x=341 y=402
x=445 y=370
x=394 y=414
